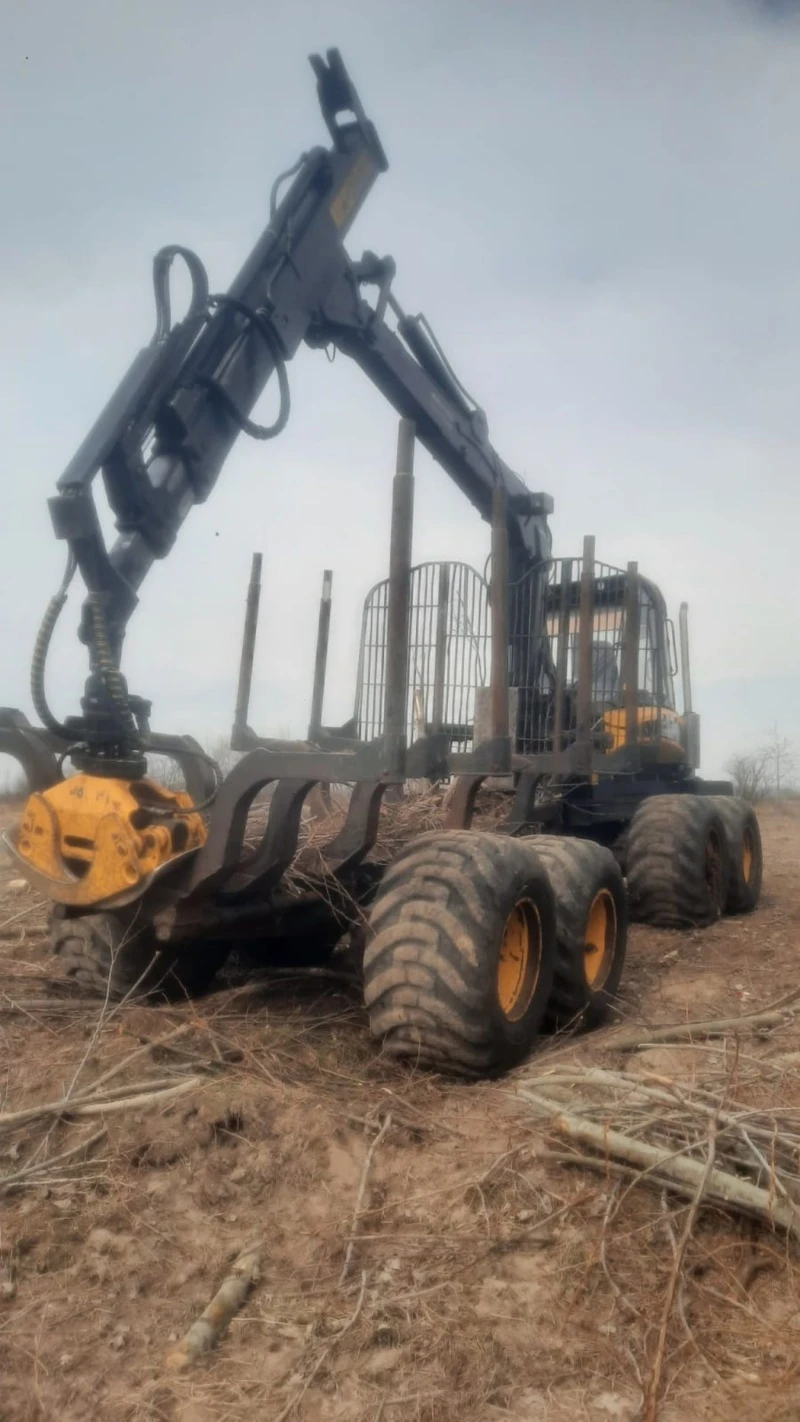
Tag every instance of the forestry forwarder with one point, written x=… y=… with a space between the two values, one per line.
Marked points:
x=476 y=940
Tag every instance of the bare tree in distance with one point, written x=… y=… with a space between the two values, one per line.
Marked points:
x=749 y=775
x=165 y=772
x=169 y=774
x=13 y=783
x=780 y=761
x=770 y=771
x=220 y=750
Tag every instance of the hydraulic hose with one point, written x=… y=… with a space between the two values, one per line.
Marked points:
x=103 y=659
x=41 y=651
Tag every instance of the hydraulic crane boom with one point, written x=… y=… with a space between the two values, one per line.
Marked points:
x=163 y=438
x=578 y=720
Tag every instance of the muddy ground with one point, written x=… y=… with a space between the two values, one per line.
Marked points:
x=485 y=1280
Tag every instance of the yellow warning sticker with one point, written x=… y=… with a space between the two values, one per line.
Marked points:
x=352 y=191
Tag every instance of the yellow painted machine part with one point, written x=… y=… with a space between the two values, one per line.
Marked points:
x=647 y=722
x=518 y=959
x=599 y=938
x=79 y=844
x=747 y=856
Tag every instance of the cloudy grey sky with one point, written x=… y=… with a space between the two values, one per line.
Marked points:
x=596 y=203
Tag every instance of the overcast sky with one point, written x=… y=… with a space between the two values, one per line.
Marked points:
x=595 y=202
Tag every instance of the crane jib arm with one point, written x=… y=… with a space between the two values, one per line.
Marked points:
x=161 y=441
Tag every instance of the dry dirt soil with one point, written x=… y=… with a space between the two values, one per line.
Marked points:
x=485 y=1280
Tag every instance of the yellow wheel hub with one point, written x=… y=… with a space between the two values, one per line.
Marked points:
x=599 y=939
x=747 y=856
x=519 y=960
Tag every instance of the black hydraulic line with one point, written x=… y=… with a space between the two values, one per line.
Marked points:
x=279 y=182
x=161 y=268
x=259 y=320
x=41 y=650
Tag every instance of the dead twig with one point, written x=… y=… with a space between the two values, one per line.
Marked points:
x=14 y=1006
x=300 y=1394
x=610 y=1210
x=357 y=1212
x=650 y=1087
x=28 y=1174
x=231 y=1294
x=650 y=1405
x=685 y=1324
x=139 y=1052
x=93 y=1105
x=15 y=917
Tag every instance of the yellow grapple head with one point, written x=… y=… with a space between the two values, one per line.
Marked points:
x=89 y=841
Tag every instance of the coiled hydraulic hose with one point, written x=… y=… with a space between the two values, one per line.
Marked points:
x=41 y=650
x=104 y=663
x=259 y=320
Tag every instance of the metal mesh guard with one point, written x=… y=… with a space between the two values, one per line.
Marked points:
x=448 y=653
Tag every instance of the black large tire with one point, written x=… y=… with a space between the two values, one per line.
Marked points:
x=459 y=968
x=591 y=928
x=677 y=862
x=744 y=848
x=109 y=958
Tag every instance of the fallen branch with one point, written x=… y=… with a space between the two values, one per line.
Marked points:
x=770 y=1016
x=67 y=1003
x=15 y=917
x=131 y=1088
x=357 y=1212
x=14 y=1006
x=29 y=1174
x=139 y=1052
x=652 y=1087
x=674 y=1169
x=231 y=1294
x=92 y=1105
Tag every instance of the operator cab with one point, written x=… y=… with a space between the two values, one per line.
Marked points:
x=450 y=660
